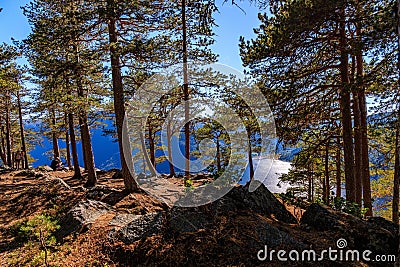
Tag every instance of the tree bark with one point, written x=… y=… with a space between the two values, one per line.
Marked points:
x=309 y=189
x=169 y=148
x=312 y=181
x=22 y=132
x=152 y=147
x=67 y=142
x=326 y=181
x=250 y=152
x=365 y=171
x=218 y=156
x=2 y=154
x=357 y=149
x=396 y=177
x=345 y=107
x=84 y=153
x=87 y=148
x=396 y=180
x=146 y=156
x=8 y=129
x=56 y=149
x=357 y=134
x=88 y=152
x=77 y=169
x=3 y=146
x=338 y=169
x=186 y=92
x=119 y=102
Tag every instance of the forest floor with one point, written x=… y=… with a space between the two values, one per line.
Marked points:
x=24 y=198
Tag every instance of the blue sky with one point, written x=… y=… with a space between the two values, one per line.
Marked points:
x=12 y=21
x=232 y=22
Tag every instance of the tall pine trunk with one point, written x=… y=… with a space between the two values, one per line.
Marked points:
x=123 y=141
x=3 y=145
x=310 y=171
x=67 y=142
x=152 y=147
x=396 y=178
x=186 y=92
x=345 y=107
x=309 y=188
x=326 y=184
x=218 y=155
x=87 y=148
x=338 y=169
x=357 y=134
x=357 y=148
x=169 y=148
x=146 y=156
x=362 y=101
x=250 y=156
x=56 y=149
x=84 y=153
x=8 y=128
x=22 y=132
x=88 y=151
x=77 y=169
x=2 y=154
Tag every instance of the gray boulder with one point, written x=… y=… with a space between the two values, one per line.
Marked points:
x=261 y=201
x=98 y=192
x=375 y=234
x=141 y=226
x=319 y=217
x=122 y=219
x=182 y=220
x=82 y=216
x=271 y=236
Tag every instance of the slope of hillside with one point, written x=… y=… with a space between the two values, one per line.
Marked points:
x=50 y=218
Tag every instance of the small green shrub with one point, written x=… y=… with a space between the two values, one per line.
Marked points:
x=39 y=229
x=39 y=226
x=341 y=204
x=188 y=183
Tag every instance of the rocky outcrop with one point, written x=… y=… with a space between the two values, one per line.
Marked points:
x=141 y=226
x=261 y=201
x=320 y=217
x=82 y=216
x=130 y=228
x=375 y=234
x=184 y=220
x=99 y=192
x=105 y=194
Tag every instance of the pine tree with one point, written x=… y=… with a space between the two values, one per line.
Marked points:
x=64 y=61
x=305 y=61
